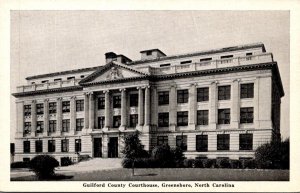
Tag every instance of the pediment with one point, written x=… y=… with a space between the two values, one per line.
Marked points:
x=112 y=71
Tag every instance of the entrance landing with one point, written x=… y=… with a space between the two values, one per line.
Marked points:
x=94 y=164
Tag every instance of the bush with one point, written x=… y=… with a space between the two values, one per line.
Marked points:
x=211 y=163
x=198 y=163
x=43 y=166
x=188 y=163
x=65 y=161
x=19 y=165
x=178 y=157
x=223 y=163
x=164 y=156
x=274 y=155
x=249 y=164
x=235 y=164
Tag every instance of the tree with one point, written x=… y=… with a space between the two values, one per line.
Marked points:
x=274 y=155
x=43 y=166
x=133 y=148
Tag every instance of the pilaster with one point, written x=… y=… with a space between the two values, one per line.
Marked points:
x=172 y=108
x=235 y=104
x=213 y=99
x=192 y=106
x=141 y=107
x=73 y=115
x=46 y=117
x=33 y=118
x=107 y=110
x=91 y=111
x=59 y=115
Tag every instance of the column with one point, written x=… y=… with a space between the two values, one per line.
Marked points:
x=235 y=104
x=192 y=106
x=20 y=119
x=86 y=111
x=141 y=107
x=107 y=110
x=46 y=116
x=33 y=118
x=154 y=105
x=213 y=101
x=256 y=103
x=91 y=111
x=147 y=109
x=123 y=109
x=73 y=115
x=173 y=108
x=59 y=115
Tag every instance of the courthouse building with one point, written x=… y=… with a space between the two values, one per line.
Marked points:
x=214 y=103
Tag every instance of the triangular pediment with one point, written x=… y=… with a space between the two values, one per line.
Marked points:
x=112 y=71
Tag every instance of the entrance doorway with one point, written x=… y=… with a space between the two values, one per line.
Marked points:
x=113 y=147
x=97 y=147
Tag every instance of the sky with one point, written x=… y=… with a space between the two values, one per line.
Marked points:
x=51 y=41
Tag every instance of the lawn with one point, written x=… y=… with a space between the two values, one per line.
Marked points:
x=172 y=174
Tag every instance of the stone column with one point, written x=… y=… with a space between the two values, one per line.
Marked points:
x=192 y=106
x=154 y=105
x=173 y=108
x=46 y=117
x=107 y=110
x=213 y=101
x=59 y=115
x=141 y=107
x=73 y=115
x=147 y=109
x=123 y=109
x=33 y=118
x=91 y=111
x=86 y=111
x=20 y=119
x=235 y=104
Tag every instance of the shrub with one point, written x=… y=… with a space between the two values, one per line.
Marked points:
x=249 y=164
x=274 y=155
x=65 y=161
x=133 y=147
x=127 y=163
x=211 y=163
x=43 y=166
x=198 y=163
x=164 y=156
x=178 y=157
x=19 y=165
x=188 y=163
x=223 y=163
x=235 y=164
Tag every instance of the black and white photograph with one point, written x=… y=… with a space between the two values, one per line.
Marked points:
x=149 y=100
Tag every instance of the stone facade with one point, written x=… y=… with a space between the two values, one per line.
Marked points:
x=216 y=103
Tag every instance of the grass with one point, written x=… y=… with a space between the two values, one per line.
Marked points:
x=173 y=174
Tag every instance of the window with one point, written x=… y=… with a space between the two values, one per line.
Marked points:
x=39 y=109
x=101 y=122
x=246 y=141
x=227 y=56
x=45 y=81
x=163 y=119
x=52 y=107
x=65 y=125
x=202 y=117
x=224 y=116
x=117 y=101
x=27 y=110
x=71 y=78
x=148 y=53
x=133 y=120
x=205 y=59
x=202 y=94
x=66 y=106
x=201 y=143
x=79 y=105
x=64 y=145
x=77 y=145
x=51 y=145
x=134 y=99
x=186 y=62
x=181 y=142
x=247 y=90
x=57 y=79
x=101 y=102
x=163 y=98
x=38 y=146
x=27 y=127
x=40 y=126
x=26 y=146
x=246 y=115
x=116 y=121
x=248 y=56
x=182 y=96
x=223 y=141
x=164 y=65
x=79 y=124
x=182 y=118
x=81 y=76
x=224 y=92
x=52 y=126
x=162 y=140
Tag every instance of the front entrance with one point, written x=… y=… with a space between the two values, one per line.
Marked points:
x=97 y=147
x=113 y=147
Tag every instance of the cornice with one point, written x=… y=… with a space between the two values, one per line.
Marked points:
x=54 y=90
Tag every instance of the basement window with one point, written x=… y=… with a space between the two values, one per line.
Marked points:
x=227 y=56
x=71 y=78
x=205 y=59
x=57 y=79
x=164 y=65
x=186 y=62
